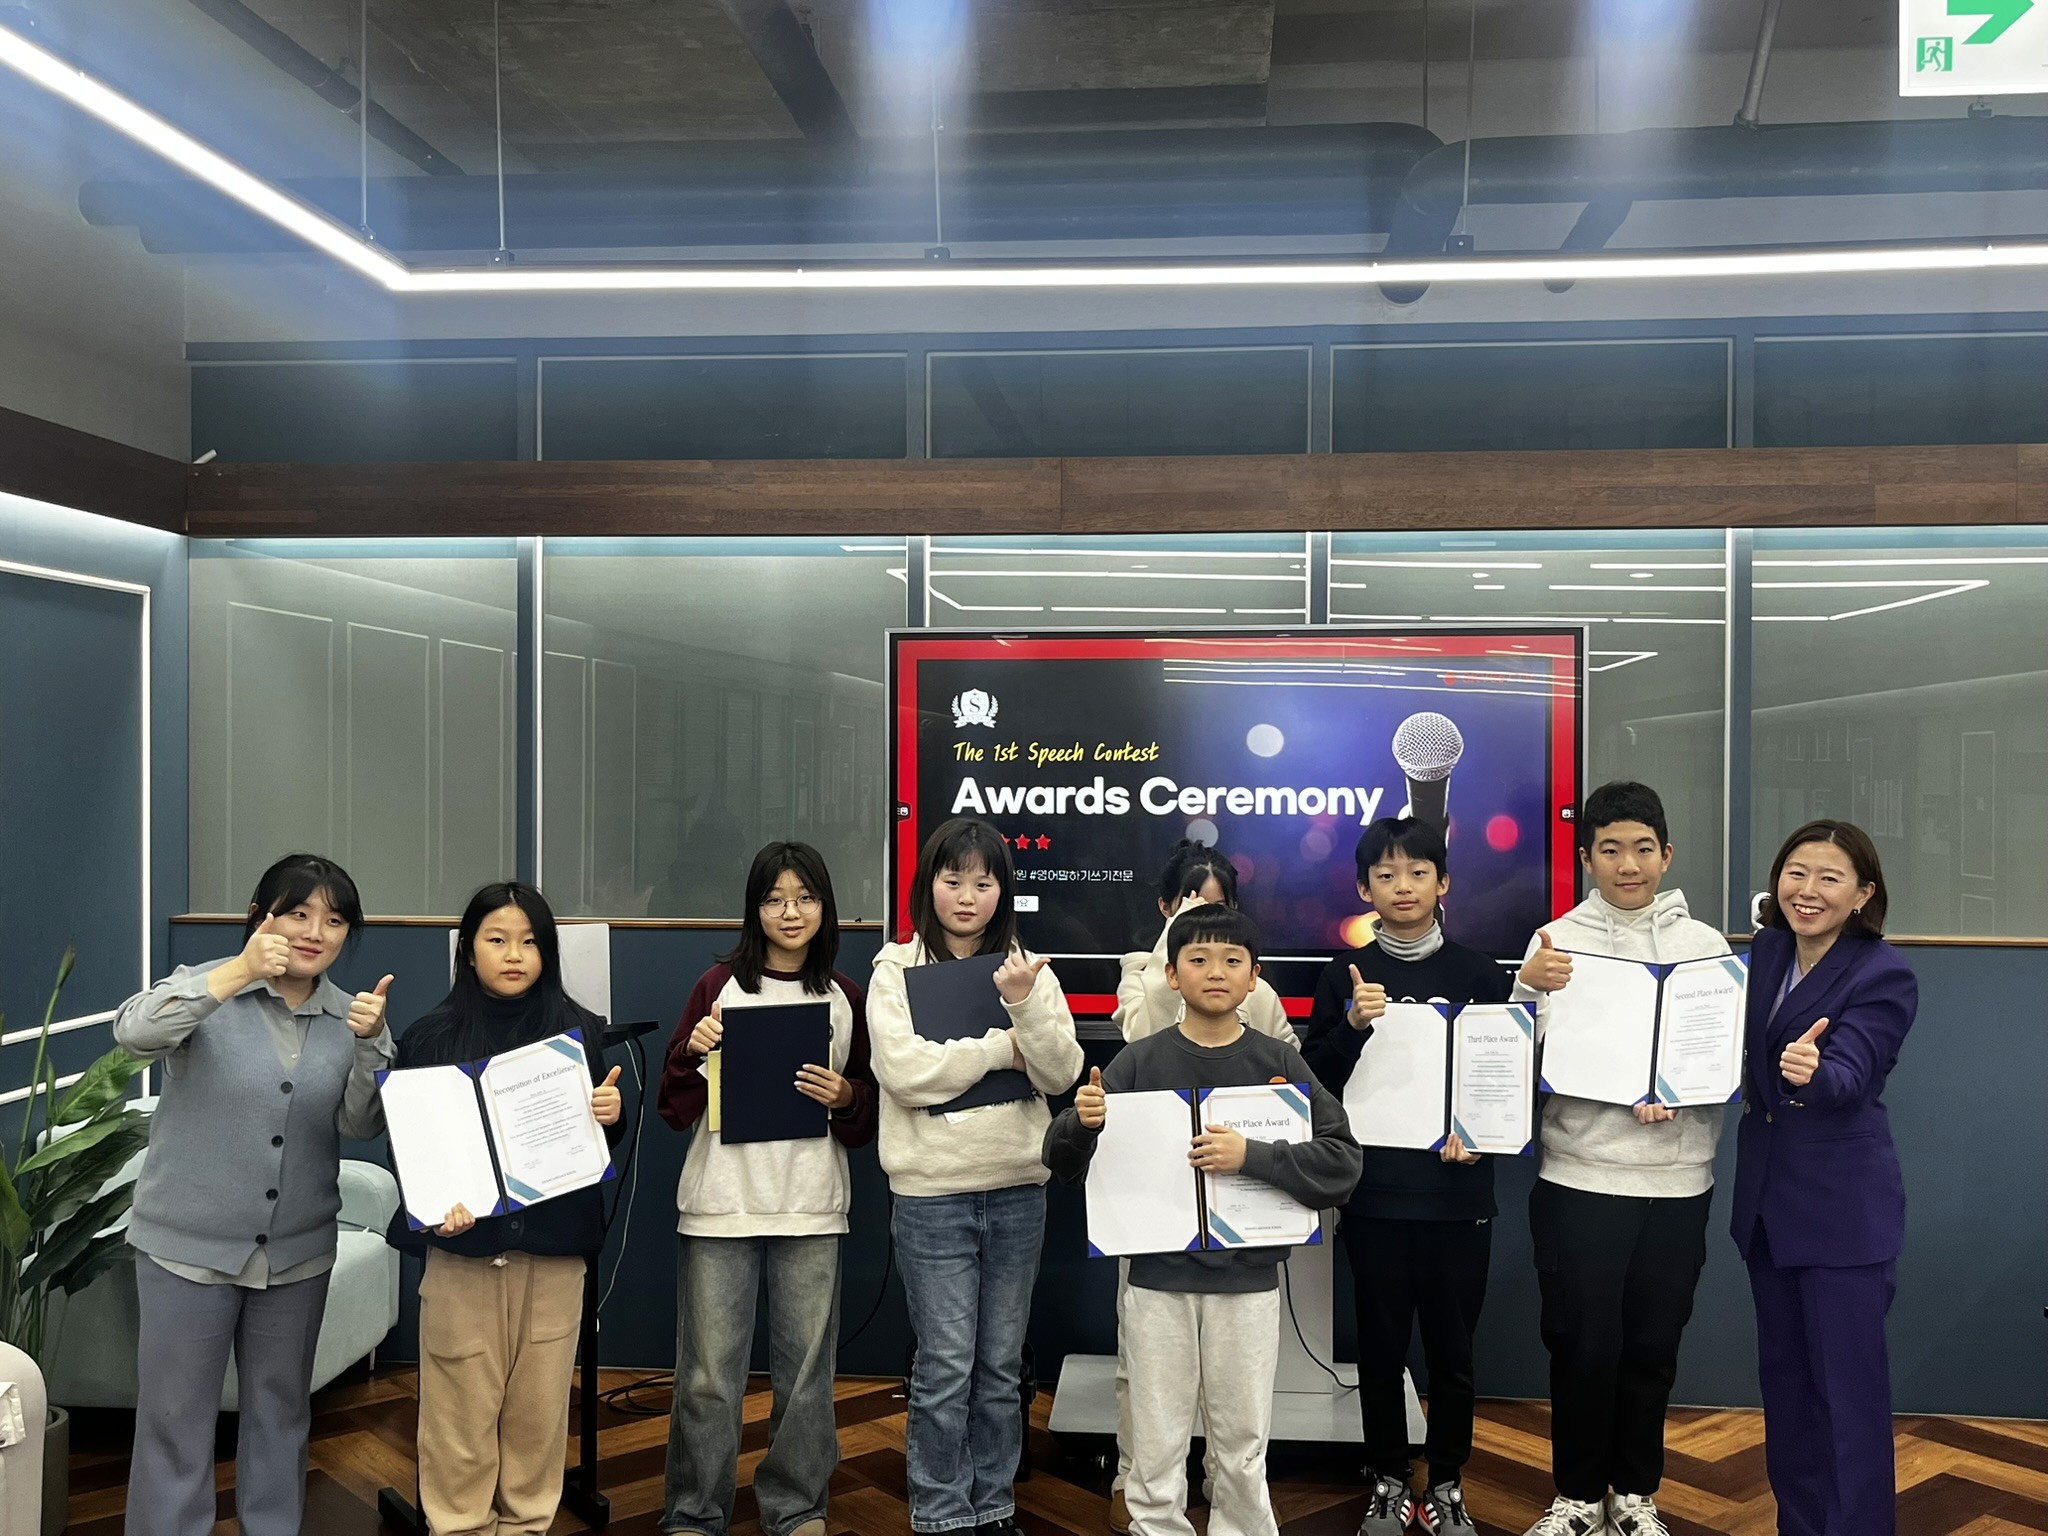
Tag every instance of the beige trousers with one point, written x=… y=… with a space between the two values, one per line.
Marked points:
x=1211 y=1356
x=497 y=1351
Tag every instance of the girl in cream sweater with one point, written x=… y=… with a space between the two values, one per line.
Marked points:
x=969 y=1185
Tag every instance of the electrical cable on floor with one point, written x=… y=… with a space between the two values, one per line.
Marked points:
x=629 y=1185
x=1287 y=1288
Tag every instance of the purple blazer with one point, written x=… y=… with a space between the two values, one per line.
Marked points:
x=1815 y=1165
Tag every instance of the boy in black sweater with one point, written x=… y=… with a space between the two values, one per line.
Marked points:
x=1202 y=1329
x=1419 y=1229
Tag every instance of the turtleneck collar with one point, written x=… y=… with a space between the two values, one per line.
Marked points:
x=1418 y=948
x=510 y=1013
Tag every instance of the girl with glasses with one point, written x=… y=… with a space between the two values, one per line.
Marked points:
x=773 y=1208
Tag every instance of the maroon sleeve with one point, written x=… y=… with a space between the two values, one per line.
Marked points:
x=683 y=1089
x=855 y=1125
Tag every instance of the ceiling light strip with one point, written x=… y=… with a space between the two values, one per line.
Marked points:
x=324 y=234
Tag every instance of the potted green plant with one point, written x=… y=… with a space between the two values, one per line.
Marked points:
x=57 y=1209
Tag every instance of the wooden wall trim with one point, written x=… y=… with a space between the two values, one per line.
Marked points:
x=69 y=468
x=1427 y=492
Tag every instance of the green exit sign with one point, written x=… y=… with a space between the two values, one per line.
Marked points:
x=1973 y=47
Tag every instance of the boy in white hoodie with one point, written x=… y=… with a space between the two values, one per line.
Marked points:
x=1619 y=1212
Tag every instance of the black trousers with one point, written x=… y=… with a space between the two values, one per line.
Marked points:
x=1617 y=1275
x=1402 y=1271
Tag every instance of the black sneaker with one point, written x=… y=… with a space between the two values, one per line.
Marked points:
x=1007 y=1526
x=1443 y=1509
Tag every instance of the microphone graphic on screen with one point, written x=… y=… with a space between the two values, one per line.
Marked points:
x=1426 y=748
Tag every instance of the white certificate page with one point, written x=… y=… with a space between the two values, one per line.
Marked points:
x=1600 y=1031
x=1245 y=1212
x=1493 y=1077
x=1700 y=1036
x=1143 y=1195
x=1396 y=1092
x=538 y=1099
x=437 y=1138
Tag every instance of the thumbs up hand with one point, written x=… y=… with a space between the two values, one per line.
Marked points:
x=1016 y=975
x=1802 y=1057
x=1368 y=1000
x=268 y=952
x=1091 y=1103
x=1548 y=969
x=605 y=1101
x=366 y=1011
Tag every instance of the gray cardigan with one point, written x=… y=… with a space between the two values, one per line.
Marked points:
x=244 y=1153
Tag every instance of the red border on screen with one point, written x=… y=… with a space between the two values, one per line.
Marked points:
x=1564 y=646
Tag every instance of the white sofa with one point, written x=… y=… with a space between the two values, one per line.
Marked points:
x=89 y=1361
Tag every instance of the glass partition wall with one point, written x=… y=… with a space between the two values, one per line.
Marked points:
x=698 y=697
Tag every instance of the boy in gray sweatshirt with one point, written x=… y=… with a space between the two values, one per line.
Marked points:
x=1619 y=1211
x=1201 y=1330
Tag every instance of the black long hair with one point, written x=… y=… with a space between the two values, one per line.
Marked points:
x=1191 y=866
x=963 y=844
x=458 y=1028
x=749 y=957
x=298 y=876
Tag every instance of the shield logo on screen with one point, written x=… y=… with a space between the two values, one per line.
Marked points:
x=974 y=707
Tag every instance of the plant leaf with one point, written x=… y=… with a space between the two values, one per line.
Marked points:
x=66 y=1147
x=66 y=1187
x=16 y=1231
x=65 y=1245
x=105 y=1083
x=100 y=1256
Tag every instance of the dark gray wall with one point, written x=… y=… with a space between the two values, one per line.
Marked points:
x=71 y=698
x=1967 y=1331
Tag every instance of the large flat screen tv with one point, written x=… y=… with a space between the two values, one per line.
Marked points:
x=1094 y=752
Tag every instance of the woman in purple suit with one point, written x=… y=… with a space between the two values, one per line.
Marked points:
x=1820 y=1205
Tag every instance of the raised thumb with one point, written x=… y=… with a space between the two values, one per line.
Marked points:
x=1813 y=1034
x=384 y=986
x=1356 y=979
x=269 y=921
x=1543 y=940
x=1095 y=1077
x=611 y=1081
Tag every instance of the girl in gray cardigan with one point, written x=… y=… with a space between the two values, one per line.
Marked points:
x=267 y=1065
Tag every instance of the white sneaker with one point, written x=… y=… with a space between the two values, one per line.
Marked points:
x=1635 y=1514
x=1573 y=1517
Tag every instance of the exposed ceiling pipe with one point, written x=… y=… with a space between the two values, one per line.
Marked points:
x=2005 y=154
x=326 y=83
x=1339 y=180
x=789 y=59
x=1747 y=115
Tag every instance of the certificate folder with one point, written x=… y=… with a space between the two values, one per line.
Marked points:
x=1144 y=1196
x=451 y=1132
x=1638 y=1032
x=763 y=1046
x=1429 y=1069
x=958 y=1000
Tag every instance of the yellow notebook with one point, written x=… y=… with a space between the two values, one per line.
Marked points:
x=711 y=1082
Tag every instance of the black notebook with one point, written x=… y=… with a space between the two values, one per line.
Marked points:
x=763 y=1046
x=958 y=1000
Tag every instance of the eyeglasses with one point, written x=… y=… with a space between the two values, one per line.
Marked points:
x=806 y=906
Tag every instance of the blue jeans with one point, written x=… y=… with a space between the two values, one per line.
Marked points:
x=969 y=1263
x=717 y=1282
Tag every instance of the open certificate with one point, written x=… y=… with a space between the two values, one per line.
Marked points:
x=1429 y=1069
x=497 y=1135
x=1145 y=1197
x=1634 y=1032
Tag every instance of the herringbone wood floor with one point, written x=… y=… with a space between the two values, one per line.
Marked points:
x=1957 y=1477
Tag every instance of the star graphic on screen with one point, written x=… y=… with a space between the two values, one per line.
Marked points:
x=1023 y=843
x=1044 y=842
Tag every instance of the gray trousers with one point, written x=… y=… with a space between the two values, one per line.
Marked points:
x=188 y=1330
x=716 y=1285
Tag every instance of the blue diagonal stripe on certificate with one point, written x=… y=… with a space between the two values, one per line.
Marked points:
x=1525 y=1016
x=567 y=1048
x=525 y=1194
x=1458 y=1126
x=1666 y=1094
x=1217 y=1224
x=1737 y=967
x=1293 y=1098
